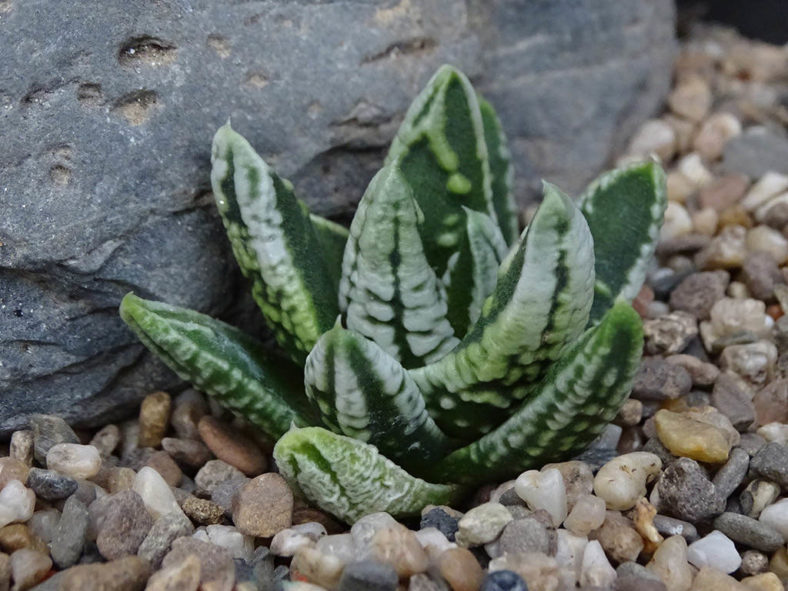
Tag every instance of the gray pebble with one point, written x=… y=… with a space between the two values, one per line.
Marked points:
x=771 y=462
x=733 y=401
x=749 y=532
x=752 y=442
x=686 y=492
x=670 y=526
x=44 y=523
x=511 y=498
x=657 y=379
x=368 y=575
x=165 y=529
x=633 y=569
x=730 y=476
x=698 y=292
x=637 y=583
x=69 y=537
x=50 y=485
x=126 y=523
x=527 y=535
x=225 y=492
x=49 y=430
x=212 y=474
x=654 y=445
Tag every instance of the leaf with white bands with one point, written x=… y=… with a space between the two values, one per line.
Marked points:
x=223 y=362
x=332 y=239
x=441 y=150
x=539 y=305
x=472 y=272
x=578 y=397
x=274 y=243
x=625 y=210
x=350 y=479
x=501 y=172
x=388 y=292
x=364 y=393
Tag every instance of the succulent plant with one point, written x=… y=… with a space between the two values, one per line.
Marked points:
x=429 y=348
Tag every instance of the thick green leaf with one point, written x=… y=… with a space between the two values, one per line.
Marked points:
x=388 y=292
x=223 y=362
x=332 y=239
x=473 y=270
x=565 y=412
x=539 y=306
x=624 y=209
x=350 y=479
x=441 y=151
x=501 y=172
x=366 y=394
x=274 y=243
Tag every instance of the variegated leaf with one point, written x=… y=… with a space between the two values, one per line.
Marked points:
x=388 y=292
x=222 y=361
x=274 y=243
x=332 y=239
x=565 y=412
x=624 y=209
x=441 y=151
x=501 y=172
x=472 y=271
x=364 y=393
x=539 y=305
x=350 y=479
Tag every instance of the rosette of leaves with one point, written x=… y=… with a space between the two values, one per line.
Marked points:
x=429 y=348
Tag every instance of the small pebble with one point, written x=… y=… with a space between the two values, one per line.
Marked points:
x=622 y=481
x=229 y=445
x=125 y=525
x=460 y=568
x=16 y=503
x=165 y=530
x=690 y=438
x=526 y=535
x=21 y=447
x=442 y=521
x=288 y=541
x=74 y=460
x=163 y=463
x=749 y=532
x=399 y=547
x=670 y=564
x=264 y=506
x=29 y=567
x=653 y=137
x=225 y=492
x=217 y=570
x=50 y=485
x=49 y=430
x=213 y=473
x=691 y=98
x=542 y=572
x=758 y=495
x=777 y=432
x=619 y=538
x=670 y=526
x=731 y=475
x=686 y=493
x=755 y=362
x=202 y=511
x=68 y=540
x=312 y=565
x=776 y=517
x=188 y=409
x=154 y=416
x=754 y=562
x=587 y=514
x=732 y=399
x=656 y=379
x=106 y=439
x=710 y=579
x=503 y=580
x=544 y=490
x=128 y=573
x=368 y=575
x=771 y=462
x=181 y=576
x=482 y=524
x=188 y=452
x=228 y=537
x=714 y=133
x=698 y=293
x=155 y=492
x=715 y=550
x=578 y=479
x=11 y=469
x=595 y=569
x=763 y=582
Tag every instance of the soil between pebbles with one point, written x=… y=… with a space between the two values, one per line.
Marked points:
x=688 y=489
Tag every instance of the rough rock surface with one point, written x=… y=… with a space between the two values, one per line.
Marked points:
x=108 y=108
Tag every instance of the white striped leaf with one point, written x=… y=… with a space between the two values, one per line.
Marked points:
x=332 y=239
x=223 y=362
x=565 y=411
x=274 y=243
x=350 y=479
x=388 y=292
x=539 y=305
x=625 y=209
x=364 y=393
x=441 y=150
x=501 y=172
x=473 y=270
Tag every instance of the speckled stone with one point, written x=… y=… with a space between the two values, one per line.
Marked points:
x=202 y=511
x=50 y=485
x=686 y=493
x=49 y=430
x=263 y=506
x=217 y=569
x=771 y=462
x=126 y=524
x=165 y=529
x=749 y=532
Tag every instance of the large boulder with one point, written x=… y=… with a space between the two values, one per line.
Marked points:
x=108 y=108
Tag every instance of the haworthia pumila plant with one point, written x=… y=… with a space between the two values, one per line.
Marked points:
x=429 y=348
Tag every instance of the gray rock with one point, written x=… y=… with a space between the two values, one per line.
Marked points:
x=771 y=462
x=670 y=526
x=224 y=493
x=657 y=379
x=755 y=152
x=686 y=493
x=125 y=525
x=730 y=476
x=106 y=143
x=730 y=398
x=443 y=522
x=761 y=273
x=368 y=575
x=633 y=569
x=698 y=292
x=749 y=531
x=49 y=430
x=751 y=443
x=69 y=538
x=527 y=535
x=50 y=485
x=165 y=529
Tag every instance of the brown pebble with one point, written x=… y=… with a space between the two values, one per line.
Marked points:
x=21 y=447
x=5 y=571
x=163 y=463
x=154 y=415
x=188 y=452
x=264 y=506
x=232 y=447
x=125 y=574
x=460 y=569
x=202 y=511
x=120 y=479
x=11 y=469
x=618 y=537
x=17 y=536
x=217 y=570
x=181 y=576
x=399 y=547
x=189 y=408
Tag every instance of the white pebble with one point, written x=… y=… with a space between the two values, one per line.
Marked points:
x=596 y=570
x=287 y=541
x=765 y=239
x=544 y=490
x=229 y=538
x=715 y=550
x=432 y=537
x=16 y=503
x=691 y=166
x=74 y=460
x=482 y=524
x=622 y=481
x=569 y=551
x=777 y=516
x=365 y=528
x=770 y=185
x=155 y=492
x=777 y=432
x=587 y=515
x=654 y=137
x=677 y=222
